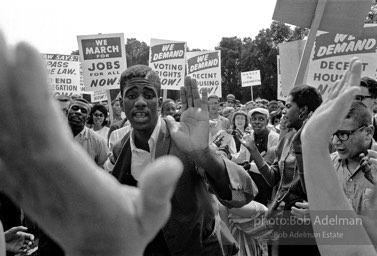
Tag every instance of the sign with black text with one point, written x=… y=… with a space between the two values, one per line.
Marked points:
x=250 y=78
x=332 y=53
x=63 y=73
x=103 y=59
x=205 y=67
x=167 y=58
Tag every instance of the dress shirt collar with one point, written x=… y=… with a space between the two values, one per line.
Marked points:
x=152 y=140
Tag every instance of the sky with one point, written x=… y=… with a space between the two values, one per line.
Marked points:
x=53 y=26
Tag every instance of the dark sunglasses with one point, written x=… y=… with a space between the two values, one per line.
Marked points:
x=98 y=115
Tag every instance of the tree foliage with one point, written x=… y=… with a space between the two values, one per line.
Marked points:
x=259 y=54
x=137 y=52
x=372 y=15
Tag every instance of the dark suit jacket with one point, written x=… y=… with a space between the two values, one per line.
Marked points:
x=190 y=229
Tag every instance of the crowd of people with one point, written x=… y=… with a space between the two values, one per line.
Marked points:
x=189 y=176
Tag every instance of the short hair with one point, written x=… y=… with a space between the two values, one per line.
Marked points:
x=140 y=71
x=113 y=102
x=272 y=102
x=369 y=83
x=166 y=102
x=73 y=101
x=76 y=96
x=214 y=96
x=360 y=114
x=100 y=108
x=305 y=95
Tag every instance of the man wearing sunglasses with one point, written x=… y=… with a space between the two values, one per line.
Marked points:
x=355 y=137
x=230 y=100
x=93 y=143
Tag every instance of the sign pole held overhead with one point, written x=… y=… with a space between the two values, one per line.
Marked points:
x=334 y=16
x=300 y=76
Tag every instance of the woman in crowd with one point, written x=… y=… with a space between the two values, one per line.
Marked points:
x=98 y=120
x=240 y=121
x=168 y=107
x=266 y=139
x=245 y=223
x=286 y=172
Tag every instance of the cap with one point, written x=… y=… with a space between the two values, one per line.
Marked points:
x=259 y=110
x=213 y=96
x=230 y=97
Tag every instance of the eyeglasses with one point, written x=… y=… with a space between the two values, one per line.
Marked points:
x=343 y=135
x=77 y=108
x=360 y=98
x=98 y=115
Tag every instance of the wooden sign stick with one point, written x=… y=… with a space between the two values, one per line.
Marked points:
x=300 y=76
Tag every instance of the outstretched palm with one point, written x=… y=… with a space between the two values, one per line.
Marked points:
x=192 y=133
x=318 y=165
x=85 y=209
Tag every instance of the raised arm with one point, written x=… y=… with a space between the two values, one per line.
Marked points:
x=323 y=188
x=57 y=184
x=191 y=135
x=270 y=173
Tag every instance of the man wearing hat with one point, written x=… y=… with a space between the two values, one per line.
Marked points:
x=230 y=100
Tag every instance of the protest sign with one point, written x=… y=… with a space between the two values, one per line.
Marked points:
x=63 y=73
x=167 y=58
x=338 y=16
x=103 y=59
x=205 y=67
x=327 y=15
x=98 y=96
x=290 y=55
x=250 y=78
x=332 y=53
